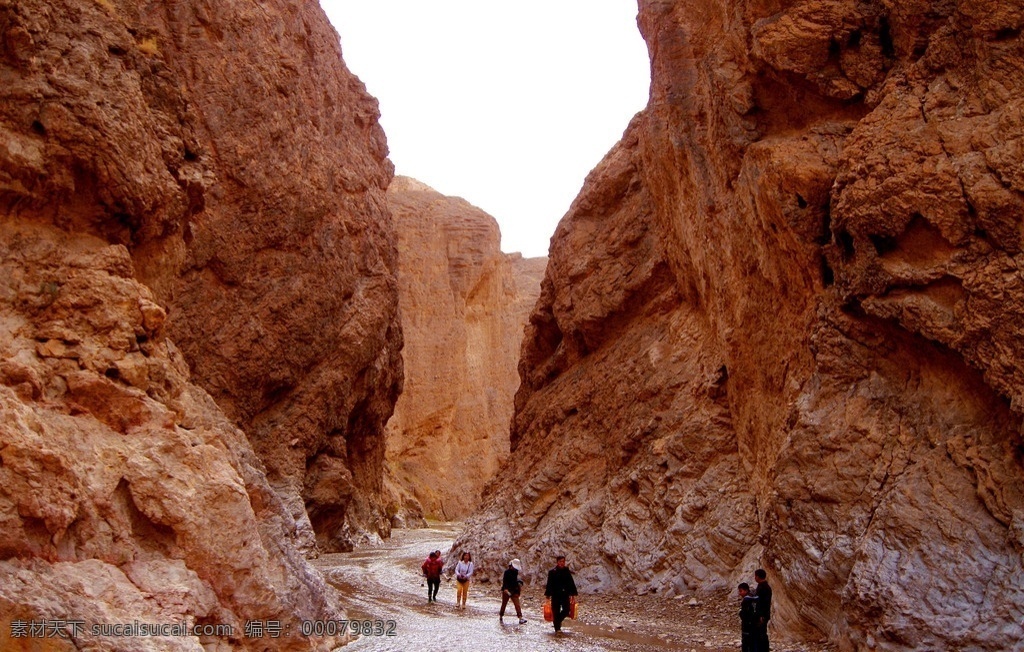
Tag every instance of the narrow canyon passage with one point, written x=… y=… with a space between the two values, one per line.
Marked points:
x=384 y=584
x=780 y=326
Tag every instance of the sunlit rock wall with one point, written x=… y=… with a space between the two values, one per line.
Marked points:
x=464 y=308
x=780 y=328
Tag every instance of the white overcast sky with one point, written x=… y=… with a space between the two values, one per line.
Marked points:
x=506 y=103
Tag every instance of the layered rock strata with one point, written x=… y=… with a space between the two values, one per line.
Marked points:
x=192 y=205
x=779 y=329
x=464 y=307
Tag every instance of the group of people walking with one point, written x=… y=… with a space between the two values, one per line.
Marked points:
x=560 y=588
x=434 y=565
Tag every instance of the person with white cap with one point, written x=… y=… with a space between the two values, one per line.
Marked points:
x=511 y=587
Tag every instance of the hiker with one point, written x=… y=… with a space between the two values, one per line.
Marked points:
x=748 y=619
x=511 y=587
x=561 y=588
x=432 y=571
x=764 y=608
x=463 y=573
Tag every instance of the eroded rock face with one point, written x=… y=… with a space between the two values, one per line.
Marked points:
x=125 y=494
x=464 y=307
x=287 y=305
x=779 y=328
x=191 y=196
x=226 y=145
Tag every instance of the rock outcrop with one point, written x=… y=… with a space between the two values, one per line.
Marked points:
x=192 y=205
x=464 y=307
x=125 y=493
x=228 y=147
x=779 y=328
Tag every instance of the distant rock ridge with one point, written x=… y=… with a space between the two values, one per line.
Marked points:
x=199 y=331
x=780 y=327
x=464 y=308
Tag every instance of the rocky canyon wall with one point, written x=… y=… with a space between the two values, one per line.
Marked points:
x=125 y=493
x=464 y=307
x=780 y=324
x=199 y=337
x=228 y=147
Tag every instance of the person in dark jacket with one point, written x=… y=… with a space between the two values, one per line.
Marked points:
x=561 y=588
x=764 y=608
x=748 y=619
x=432 y=571
x=511 y=587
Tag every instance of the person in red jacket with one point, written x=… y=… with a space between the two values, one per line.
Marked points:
x=432 y=571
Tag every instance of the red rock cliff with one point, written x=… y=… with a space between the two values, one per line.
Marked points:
x=780 y=326
x=187 y=185
x=464 y=307
x=285 y=299
x=228 y=147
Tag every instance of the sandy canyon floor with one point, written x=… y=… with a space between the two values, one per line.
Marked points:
x=384 y=584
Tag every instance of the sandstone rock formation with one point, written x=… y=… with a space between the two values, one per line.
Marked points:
x=228 y=147
x=125 y=494
x=780 y=326
x=187 y=185
x=464 y=307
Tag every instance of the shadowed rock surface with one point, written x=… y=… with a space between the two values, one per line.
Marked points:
x=192 y=198
x=780 y=328
x=464 y=307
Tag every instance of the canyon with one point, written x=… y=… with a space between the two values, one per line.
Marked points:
x=201 y=340
x=779 y=327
